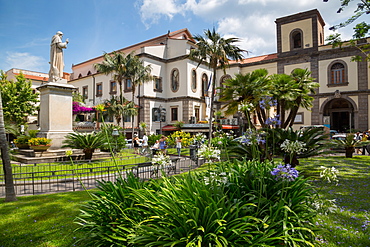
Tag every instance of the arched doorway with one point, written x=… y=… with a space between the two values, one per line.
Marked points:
x=341 y=114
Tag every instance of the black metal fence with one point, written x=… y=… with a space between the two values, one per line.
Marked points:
x=31 y=179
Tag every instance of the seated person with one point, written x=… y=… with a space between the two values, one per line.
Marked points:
x=155 y=147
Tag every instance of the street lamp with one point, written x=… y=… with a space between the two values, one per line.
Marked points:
x=115 y=134
x=161 y=113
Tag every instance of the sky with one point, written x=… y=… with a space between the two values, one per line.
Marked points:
x=97 y=26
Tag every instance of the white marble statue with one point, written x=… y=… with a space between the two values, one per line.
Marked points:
x=56 y=57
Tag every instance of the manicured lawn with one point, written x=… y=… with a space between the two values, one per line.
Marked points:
x=350 y=224
x=47 y=220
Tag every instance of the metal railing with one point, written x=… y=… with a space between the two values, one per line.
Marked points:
x=32 y=179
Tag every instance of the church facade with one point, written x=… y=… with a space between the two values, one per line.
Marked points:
x=180 y=88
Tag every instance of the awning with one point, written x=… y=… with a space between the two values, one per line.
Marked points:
x=230 y=127
x=169 y=128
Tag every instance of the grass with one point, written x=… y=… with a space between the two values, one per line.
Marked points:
x=43 y=220
x=47 y=220
x=350 y=224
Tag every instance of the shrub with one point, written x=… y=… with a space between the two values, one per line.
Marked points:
x=238 y=204
x=186 y=138
x=39 y=141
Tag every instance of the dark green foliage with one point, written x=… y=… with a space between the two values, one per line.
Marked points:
x=315 y=139
x=152 y=138
x=238 y=204
x=88 y=142
x=112 y=143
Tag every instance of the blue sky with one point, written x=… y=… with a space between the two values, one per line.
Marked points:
x=97 y=26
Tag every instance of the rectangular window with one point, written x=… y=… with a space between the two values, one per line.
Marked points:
x=128 y=85
x=113 y=87
x=99 y=89
x=127 y=119
x=174 y=115
x=85 y=92
x=157 y=84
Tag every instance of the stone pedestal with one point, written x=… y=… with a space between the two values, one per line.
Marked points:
x=55 y=117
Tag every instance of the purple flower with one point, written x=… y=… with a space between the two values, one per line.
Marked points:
x=273 y=121
x=285 y=172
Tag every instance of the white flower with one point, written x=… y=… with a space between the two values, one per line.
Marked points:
x=209 y=153
x=161 y=159
x=329 y=174
x=293 y=146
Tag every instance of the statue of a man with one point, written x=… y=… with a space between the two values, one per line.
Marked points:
x=56 y=57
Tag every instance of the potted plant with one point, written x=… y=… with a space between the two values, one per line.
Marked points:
x=22 y=142
x=39 y=144
x=88 y=142
x=349 y=143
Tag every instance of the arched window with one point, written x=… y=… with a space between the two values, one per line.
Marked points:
x=296 y=39
x=175 y=80
x=223 y=80
x=337 y=73
x=194 y=80
x=204 y=85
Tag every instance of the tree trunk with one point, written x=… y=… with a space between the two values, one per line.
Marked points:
x=349 y=152
x=8 y=175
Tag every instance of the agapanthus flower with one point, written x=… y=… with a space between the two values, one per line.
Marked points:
x=329 y=174
x=209 y=153
x=285 y=172
x=273 y=121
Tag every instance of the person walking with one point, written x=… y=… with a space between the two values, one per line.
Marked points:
x=178 y=145
x=136 y=143
x=144 y=144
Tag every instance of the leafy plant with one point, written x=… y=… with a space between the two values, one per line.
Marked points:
x=88 y=142
x=39 y=141
x=22 y=139
x=111 y=142
x=238 y=204
x=186 y=138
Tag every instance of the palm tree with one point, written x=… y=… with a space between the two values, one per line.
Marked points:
x=88 y=142
x=114 y=108
x=117 y=64
x=215 y=51
x=8 y=175
x=283 y=90
x=305 y=85
x=246 y=90
x=139 y=74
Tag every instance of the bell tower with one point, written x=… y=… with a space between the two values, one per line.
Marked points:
x=300 y=33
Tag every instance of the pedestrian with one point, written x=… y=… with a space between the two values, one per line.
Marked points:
x=364 y=139
x=163 y=144
x=136 y=144
x=144 y=144
x=358 y=138
x=178 y=145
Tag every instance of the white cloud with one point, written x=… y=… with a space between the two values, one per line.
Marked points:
x=252 y=21
x=152 y=10
x=25 y=60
